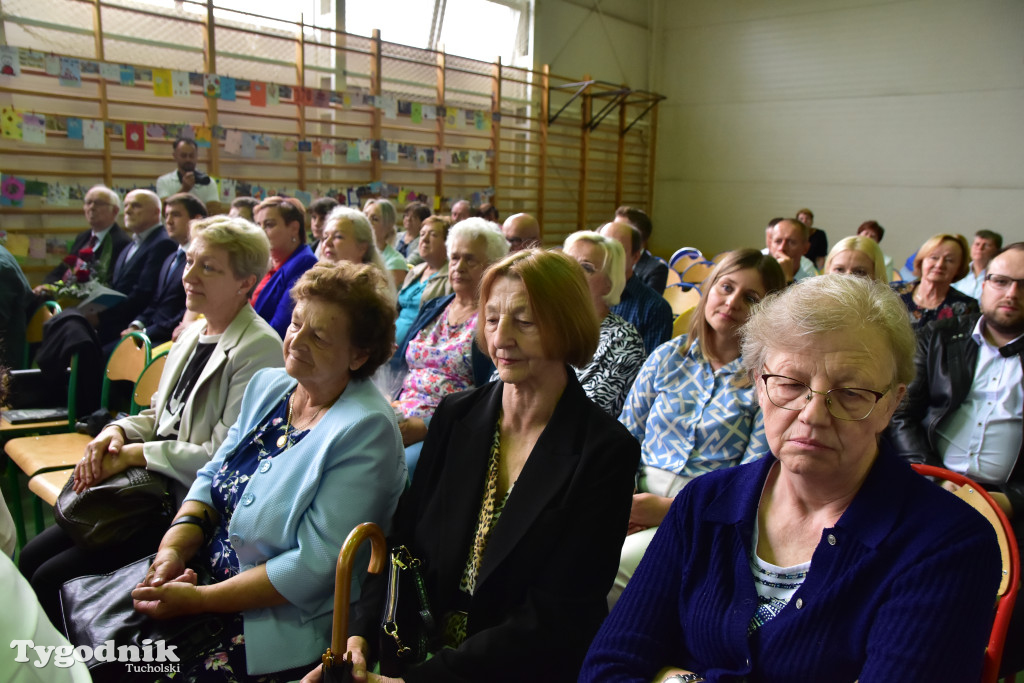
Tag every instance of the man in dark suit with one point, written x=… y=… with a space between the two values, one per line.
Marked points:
x=137 y=271
x=651 y=270
x=104 y=238
x=164 y=312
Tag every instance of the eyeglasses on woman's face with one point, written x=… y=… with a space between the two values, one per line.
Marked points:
x=843 y=403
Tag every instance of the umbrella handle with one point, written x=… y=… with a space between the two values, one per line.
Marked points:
x=343 y=576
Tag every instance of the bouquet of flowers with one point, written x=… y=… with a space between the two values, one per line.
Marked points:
x=84 y=269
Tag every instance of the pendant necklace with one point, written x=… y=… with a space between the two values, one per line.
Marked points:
x=284 y=441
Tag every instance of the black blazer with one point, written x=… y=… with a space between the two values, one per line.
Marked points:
x=542 y=589
x=168 y=306
x=946 y=359
x=138 y=280
x=110 y=249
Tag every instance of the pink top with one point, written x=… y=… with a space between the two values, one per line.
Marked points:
x=440 y=363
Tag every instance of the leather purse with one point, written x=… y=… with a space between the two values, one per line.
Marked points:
x=98 y=610
x=114 y=509
x=408 y=629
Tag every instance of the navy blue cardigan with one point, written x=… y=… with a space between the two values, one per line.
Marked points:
x=274 y=303
x=902 y=588
x=483 y=368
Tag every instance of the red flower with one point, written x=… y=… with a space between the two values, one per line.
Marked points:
x=82 y=275
x=86 y=254
x=70 y=260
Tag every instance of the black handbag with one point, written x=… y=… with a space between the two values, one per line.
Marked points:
x=98 y=612
x=408 y=628
x=114 y=509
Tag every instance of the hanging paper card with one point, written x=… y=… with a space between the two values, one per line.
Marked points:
x=204 y=136
x=303 y=196
x=74 y=128
x=273 y=94
x=365 y=150
x=477 y=160
x=162 y=86
x=317 y=148
x=416 y=112
x=52 y=65
x=180 y=84
x=33 y=129
x=305 y=146
x=211 y=85
x=127 y=75
x=70 y=72
x=290 y=144
x=92 y=134
x=259 y=193
x=187 y=131
x=437 y=203
x=233 y=142
x=156 y=130
x=110 y=72
x=227 y=189
x=10 y=123
x=421 y=157
x=37 y=247
x=57 y=194
x=134 y=137
x=451 y=117
x=352 y=152
x=248 y=145
x=429 y=112
x=258 y=94
x=346 y=101
x=327 y=153
x=12 y=192
x=30 y=59
x=276 y=148
x=487 y=121
x=390 y=107
x=227 y=88
x=439 y=156
x=16 y=244
x=392 y=157
x=322 y=98
x=10 y=61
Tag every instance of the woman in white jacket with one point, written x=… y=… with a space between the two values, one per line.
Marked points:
x=198 y=399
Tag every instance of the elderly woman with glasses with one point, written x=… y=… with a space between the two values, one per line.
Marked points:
x=831 y=560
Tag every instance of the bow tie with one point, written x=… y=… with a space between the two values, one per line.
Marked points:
x=1014 y=348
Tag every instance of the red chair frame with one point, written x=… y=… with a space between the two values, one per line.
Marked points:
x=1004 y=609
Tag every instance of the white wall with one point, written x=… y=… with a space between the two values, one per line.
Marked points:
x=910 y=113
x=611 y=43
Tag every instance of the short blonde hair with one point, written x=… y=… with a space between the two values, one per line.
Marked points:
x=247 y=245
x=933 y=242
x=613 y=262
x=864 y=245
x=560 y=299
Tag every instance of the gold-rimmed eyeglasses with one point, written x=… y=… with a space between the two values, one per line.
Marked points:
x=844 y=403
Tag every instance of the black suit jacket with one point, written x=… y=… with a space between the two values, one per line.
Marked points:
x=542 y=588
x=168 y=306
x=946 y=359
x=138 y=280
x=110 y=249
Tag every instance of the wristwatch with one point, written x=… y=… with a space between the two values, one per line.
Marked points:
x=684 y=678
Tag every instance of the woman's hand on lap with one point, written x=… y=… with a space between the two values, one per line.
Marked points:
x=98 y=462
x=648 y=510
x=167 y=566
x=413 y=430
x=175 y=598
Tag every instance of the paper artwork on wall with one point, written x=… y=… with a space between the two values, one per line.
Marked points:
x=33 y=129
x=92 y=134
x=10 y=61
x=162 y=86
x=70 y=72
x=10 y=123
x=180 y=84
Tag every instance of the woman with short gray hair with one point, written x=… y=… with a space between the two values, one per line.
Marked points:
x=831 y=560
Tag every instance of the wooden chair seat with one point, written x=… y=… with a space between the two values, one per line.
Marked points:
x=35 y=454
x=48 y=485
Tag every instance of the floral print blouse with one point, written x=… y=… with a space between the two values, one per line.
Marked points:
x=440 y=362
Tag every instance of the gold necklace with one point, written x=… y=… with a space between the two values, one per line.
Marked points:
x=284 y=441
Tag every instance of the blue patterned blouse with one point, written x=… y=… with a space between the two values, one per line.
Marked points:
x=690 y=419
x=228 y=486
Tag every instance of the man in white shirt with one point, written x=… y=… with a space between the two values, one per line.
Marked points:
x=985 y=246
x=788 y=241
x=186 y=177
